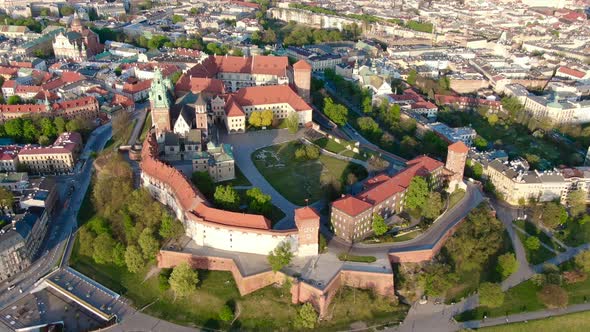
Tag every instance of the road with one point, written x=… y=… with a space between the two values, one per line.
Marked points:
x=61 y=226
x=473 y=197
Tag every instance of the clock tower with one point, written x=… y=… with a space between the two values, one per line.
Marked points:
x=308 y=226
x=160 y=103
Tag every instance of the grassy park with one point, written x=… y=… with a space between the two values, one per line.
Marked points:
x=534 y=256
x=576 y=322
x=313 y=179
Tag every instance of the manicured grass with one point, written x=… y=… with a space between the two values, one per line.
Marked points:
x=408 y=236
x=523 y=298
x=532 y=229
x=456 y=197
x=574 y=233
x=298 y=180
x=577 y=322
x=352 y=258
x=389 y=238
x=330 y=145
x=240 y=179
x=147 y=124
x=535 y=256
x=520 y=298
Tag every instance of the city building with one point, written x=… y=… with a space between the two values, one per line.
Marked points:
x=78 y=43
x=218 y=161
x=452 y=135
x=352 y=216
x=20 y=240
x=60 y=157
x=85 y=107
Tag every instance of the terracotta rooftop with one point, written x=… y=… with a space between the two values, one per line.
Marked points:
x=458 y=147
x=270 y=94
x=351 y=205
x=229 y=218
x=258 y=64
x=306 y=213
x=302 y=65
x=571 y=72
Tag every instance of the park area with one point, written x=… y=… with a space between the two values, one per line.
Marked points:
x=305 y=179
x=577 y=322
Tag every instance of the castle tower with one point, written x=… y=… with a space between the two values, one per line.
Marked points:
x=302 y=79
x=308 y=226
x=456 y=158
x=160 y=103
x=201 y=114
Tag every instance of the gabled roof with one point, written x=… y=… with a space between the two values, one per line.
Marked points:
x=302 y=65
x=351 y=205
x=458 y=147
x=270 y=94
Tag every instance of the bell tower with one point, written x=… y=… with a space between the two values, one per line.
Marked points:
x=160 y=102
x=308 y=227
x=201 y=115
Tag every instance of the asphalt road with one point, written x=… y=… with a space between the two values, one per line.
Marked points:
x=60 y=226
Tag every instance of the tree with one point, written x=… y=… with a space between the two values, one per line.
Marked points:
x=336 y=112
x=44 y=12
x=103 y=248
x=44 y=140
x=433 y=206
x=312 y=152
x=577 y=202
x=280 y=257
x=47 y=127
x=532 y=243
x=13 y=100
x=30 y=131
x=118 y=254
x=582 y=261
x=120 y=124
x=553 y=215
x=480 y=143
x=227 y=198
x=134 y=259
x=553 y=296
x=417 y=193
x=379 y=225
x=67 y=10
x=86 y=240
x=507 y=264
x=266 y=118
x=258 y=202
x=369 y=127
x=226 y=314
x=490 y=295
x=183 y=280
x=203 y=181
x=177 y=19
x=412 y=76
x=60 y=124
x=307 y=317
x=6 y=198
x=163 y=278
x=14 y=128
x=255 y=119
x=148 y=243
x=170 y=228
x=292 y=122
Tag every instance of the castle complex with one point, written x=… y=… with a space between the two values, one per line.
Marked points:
x=78 y=43
x=352 y=216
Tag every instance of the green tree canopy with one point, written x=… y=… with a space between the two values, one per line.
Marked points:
x=582 y=261
x=203 y=181
x=417 y=193
x=227 y=197
x=307 y=317
x=103 y=248
x=183 y=280
x=553 y=296
x=226 y=314
x=507 y=264
x=532 y=243
x=148 y=243
x=577 y=201
x=170 y=228
x=6 y=198
x=433 y=206
x=490 y=295
x=292 y=122
x=379 y=225
x=13 y=100
x=553 y=215
x=134 y=259
x=67 y=10
x=280 y=257
x=336 y=112
x=258 y=202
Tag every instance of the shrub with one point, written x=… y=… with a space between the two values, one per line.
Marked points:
x=359 y=259
x=226 y=314
x=553 y=296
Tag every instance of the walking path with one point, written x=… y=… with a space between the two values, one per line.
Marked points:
x=541 y=242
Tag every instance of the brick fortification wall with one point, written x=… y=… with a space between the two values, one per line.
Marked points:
x=417 y=256
x=301 y=292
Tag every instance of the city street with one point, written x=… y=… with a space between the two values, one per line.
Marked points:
x=62 y=225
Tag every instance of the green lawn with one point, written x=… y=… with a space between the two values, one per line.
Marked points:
x=523 y=298
x=340 y=148
x=456 y=197
x=532 y=229
x=535 y=256
x=577 y=322
x=312 y=178
x=389 y=238
x=114 y=142
x=147 y=124
x=574 y=233
x=240 y=179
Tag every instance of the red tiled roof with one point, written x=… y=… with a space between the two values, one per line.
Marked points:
x=458 y=147
x=201 y=84
x=119 y=99
x=44 y=94
x=302 y=65
x=270 y=94
x=75 y=103
x=423 y=104
x=571 y=72
x=306 y=213
x=29 y=108
x=65 y=143
x=27 y=89
x=137 y=87
x=71 y=76
x=54 y=84
x=189 y=198
x=232 y=108
x=12 y=71
x=258 y=64
x=351 y=205
x=9 y=84
x=245 y=4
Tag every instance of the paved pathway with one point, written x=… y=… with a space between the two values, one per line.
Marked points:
x=244 y=145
